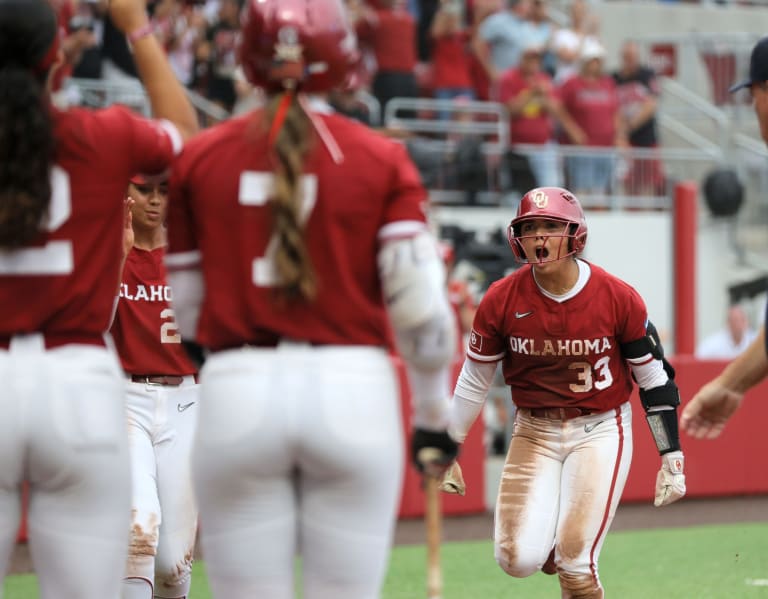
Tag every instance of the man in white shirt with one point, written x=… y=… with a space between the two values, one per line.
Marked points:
x=729 y=342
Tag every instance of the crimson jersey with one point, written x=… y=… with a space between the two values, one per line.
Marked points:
x=560 y=354
x=64 y=282
x=144 y=329
x=219 y=206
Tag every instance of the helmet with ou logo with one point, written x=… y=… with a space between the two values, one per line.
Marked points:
x=550 y=203
x=306 y=44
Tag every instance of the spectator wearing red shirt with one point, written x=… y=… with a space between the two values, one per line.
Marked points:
x=534 y=107
x=638 y=98
x=391 y=31
x=450 y=61
x=591 y=99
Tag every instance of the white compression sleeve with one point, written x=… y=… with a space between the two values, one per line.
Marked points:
x=469 y=396
x=649 y=372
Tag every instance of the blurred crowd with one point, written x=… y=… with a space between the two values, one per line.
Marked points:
x=551 y=79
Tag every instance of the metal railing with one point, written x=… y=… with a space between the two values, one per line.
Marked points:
x=98 y=93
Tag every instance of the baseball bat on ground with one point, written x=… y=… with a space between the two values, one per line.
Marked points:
x=434 y=523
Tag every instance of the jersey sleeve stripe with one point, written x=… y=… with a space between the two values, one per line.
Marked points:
x=177 y=142
x=182 y=260
x=401 y=228
x=482 y=358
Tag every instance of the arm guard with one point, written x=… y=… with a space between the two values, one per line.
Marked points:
x=650 y=344
x=415 y=294
x=660 y=403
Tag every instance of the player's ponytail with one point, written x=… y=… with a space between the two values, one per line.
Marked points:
x=26 y=151
x=291 y=143
x=28 y=50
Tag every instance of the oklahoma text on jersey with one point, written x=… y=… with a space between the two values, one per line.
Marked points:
x=150 y=293
x=559 y=347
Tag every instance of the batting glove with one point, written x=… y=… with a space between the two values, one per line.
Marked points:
x=670 y=481
x=453 y=481
x=432 y=452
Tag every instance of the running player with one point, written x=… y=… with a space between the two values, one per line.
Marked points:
x=62 y=182
x=286 y=226
x=570 y=337
x=161 y=404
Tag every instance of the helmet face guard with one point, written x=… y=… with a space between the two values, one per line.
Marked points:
x=552 y=204
x=563 y=244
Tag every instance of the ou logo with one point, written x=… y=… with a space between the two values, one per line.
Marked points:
x=540 y=199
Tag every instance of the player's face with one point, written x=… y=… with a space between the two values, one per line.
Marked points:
x=759 y=93
x=544 y=240
x=150 y=204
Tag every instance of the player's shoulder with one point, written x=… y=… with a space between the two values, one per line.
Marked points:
x=359 y=138
x=77 y=123
x=608 y=280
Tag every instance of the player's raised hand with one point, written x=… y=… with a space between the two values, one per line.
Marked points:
x=128 y=235
x=704 y=417
x=128 y=15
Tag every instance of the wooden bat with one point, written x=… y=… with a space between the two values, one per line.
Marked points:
x=434 y=520
x=434 y=523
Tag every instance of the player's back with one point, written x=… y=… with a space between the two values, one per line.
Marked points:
x=226 y=178
x=63 y=284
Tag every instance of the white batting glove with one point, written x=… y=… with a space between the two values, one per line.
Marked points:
x=670 y=481
x=453 y=481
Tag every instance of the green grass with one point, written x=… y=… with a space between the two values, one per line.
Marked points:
x=706 y=562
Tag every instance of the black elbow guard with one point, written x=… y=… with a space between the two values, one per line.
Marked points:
x=665 y=395
x=660 y=405
x=650 y=344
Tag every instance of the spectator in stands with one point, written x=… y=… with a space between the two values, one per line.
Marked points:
x=638 y=91
x=450 y=60
x=730 y=341
x=543 y=30
x=477 y=12
x=179 y=28
x=500 y=39
x=591 y=100
x=391 y=31
x=567 y=42
x=534 y=106
x=77 y=25
x=216 y=56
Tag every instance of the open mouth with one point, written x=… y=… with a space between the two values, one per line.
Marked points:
x=542 y=253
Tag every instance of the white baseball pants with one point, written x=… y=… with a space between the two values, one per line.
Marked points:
x=299 y=451
x=560 y=488
x=161 y=426
x=63 y=430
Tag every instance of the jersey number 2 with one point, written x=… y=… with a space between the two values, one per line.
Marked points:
x=256 y=189
x=56 y=256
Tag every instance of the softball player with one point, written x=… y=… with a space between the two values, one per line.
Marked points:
x=287 y=228
x=570 y=337
x=162 y=403
x=61 y=214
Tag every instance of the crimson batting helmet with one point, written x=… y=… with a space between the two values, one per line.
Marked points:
x=550 y=203
x=297 y=43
